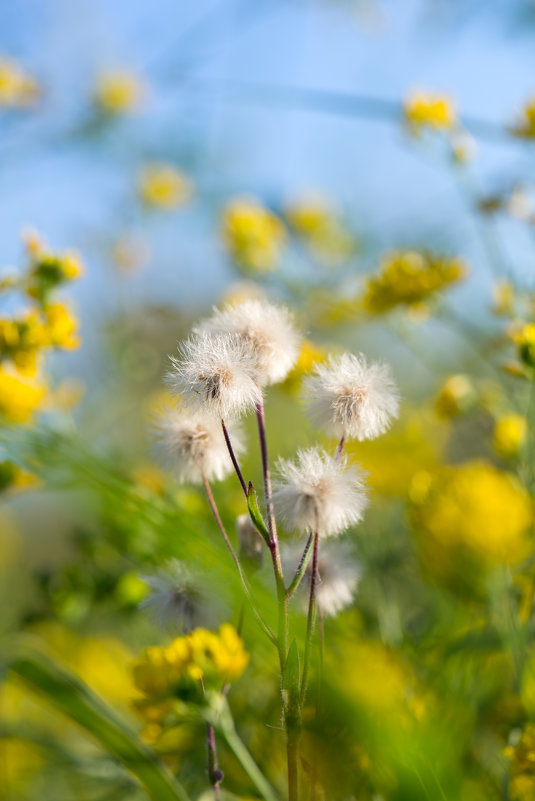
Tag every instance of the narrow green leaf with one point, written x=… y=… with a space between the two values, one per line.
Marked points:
x=67 y=693
x=290 y=677
x=254 y=511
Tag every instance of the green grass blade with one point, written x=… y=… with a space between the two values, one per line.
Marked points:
x=69 y=695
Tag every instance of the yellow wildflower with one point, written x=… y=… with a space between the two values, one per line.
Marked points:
x=118 y=92
x=213 y=657
x=408 y=278
x=253 y=234
x=17 y=89
x=49 y=270
x=428 y=110
x=468 y=517
x=510 y=435
x=456 y=395
x=20 y=397
x=524 y=337
x=61 y=326
x=526 y=125
x=13 y=477
x=163 y=186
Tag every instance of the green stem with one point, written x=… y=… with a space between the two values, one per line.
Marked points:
x=247 y=762
x=293 y=773
x=245 y=584
x=310 y=620
x=301 y=568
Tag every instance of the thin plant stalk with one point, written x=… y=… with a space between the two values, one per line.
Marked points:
x=245 y=584
x=310 y=619
x=301 y=568
x=273 y=539
x=340 y=449
x=215 y=776
x=233 y=458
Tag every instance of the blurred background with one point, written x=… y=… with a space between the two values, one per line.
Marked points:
x=370 y=164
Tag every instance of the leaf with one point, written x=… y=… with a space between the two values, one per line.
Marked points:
x=290 y=677
x=254 y=511
x=71 y=696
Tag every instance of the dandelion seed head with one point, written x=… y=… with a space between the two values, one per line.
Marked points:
x=268 y=330
x=350 y=398
x=175 y=601
x=216 y=372
x=319 y=493
x=194 y=445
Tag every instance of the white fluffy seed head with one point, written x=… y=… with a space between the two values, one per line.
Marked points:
x=267 y=329
x=216 y=373
x=175 y=601
x=194 y=444
x=319 y=493
x=338 y=575
x=350 y=398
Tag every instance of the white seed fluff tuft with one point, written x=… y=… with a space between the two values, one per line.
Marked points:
x=216 y=373
x=267 y=329
x=338 y=576
x=319 y=493
x=194 y=445
x=350 y=398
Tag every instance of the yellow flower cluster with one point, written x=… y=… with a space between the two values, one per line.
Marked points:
x=524 y=338
x=428 y=110
x=314 y=222
x=118 y=92
x=202 y=655
x=253 y=235
x=522 y=766
x=24 y=339
x=468 y=517
x=526 y=126
x=408 y=278
x=17 y=89
x=163 y=186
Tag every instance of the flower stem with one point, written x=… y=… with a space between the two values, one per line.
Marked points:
x=233 y=457
x=245 y=584
x=293 y=774
x=301 y=568
x=340 y=449
x=310 y=620
x=214 y=774
x=282 y=635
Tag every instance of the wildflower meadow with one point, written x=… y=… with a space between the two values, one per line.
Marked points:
x=267 y=401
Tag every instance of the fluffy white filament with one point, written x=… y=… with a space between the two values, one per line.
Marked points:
x=194 y=445
x=350 y=398
x=217 y=373
x=267 y=329
x=319 y=493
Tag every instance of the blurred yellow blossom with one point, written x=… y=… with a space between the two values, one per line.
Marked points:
x=522 y=765
x=20 y=397
x=429 y=110
x=524 y=338
x=468 y=517
x=320 y=229
x=13 y=477
x=49 y=270
x=17 y=88
x=456 y=396
x=408 y=278
x=510 y=435
x=213 y=657
x=164 y=186
x=525 y=127
x=253 y=235
x=61 y=326
x=118 y=92
x=503 y=298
